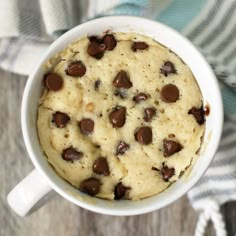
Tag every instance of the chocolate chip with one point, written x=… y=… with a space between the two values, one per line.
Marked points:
x=198 y=114
x=95 y=39
x=96 y=49
x=53 y=81
x=169 y=93
x=86 y=126
x=60 y=119
x=122 y=148
x=76 y=69
x=120 y=191
x=110 y=41
x=168 y=68
x=171 y=147
x=149 y=113
x=140 y=97
x=99 y=55
x=71 y=154
x=121 y=93
x=90 y=186
x=118 y=116
x=97 y=83
x=144 y=135
x=207 y=110
x=139 y=46
x=122 y=80
x=100 y=166
x=167 y=172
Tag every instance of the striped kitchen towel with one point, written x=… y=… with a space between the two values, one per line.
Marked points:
x=27 y=27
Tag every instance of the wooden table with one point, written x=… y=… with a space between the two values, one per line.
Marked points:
x=60 y=217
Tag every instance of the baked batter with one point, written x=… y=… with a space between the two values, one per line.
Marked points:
x=121 y=116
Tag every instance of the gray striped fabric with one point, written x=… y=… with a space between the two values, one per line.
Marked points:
x=213 y=35
x=219 y=183
x=28 y=26
x=214 y=32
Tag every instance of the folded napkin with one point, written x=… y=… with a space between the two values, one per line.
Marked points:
x=27 y=27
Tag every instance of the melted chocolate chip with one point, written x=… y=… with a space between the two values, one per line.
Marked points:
x=207 y=110
x=144 y=135
x=120 y=191
x=71 y=154
x=168 y=68
x=118 y=116
x=53 y=81
x=96 y=49
x=170 y=93
x=97 y=83
x=76 y=69
x=171 y=147
x=139 y=46
x=122 y=80
x=60 y=119
x=90 y=186
x=120 y=93
x=122 y=148
x=149 y=113
x=86 y=126
x=140 y=97
x=100 y=166
x=99 y=56
x=198 y=114
x=95 y=39
x=110 y=41
x=167 y=172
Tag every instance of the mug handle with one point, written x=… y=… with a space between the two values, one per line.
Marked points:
x=24 y=197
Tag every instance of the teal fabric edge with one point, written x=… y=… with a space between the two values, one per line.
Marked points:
x=229 y=99
x=177 y=17
x=126 y=9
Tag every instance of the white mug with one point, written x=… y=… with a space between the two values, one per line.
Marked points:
x=40 y=181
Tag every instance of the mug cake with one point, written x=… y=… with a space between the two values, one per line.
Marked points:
x=120 y=117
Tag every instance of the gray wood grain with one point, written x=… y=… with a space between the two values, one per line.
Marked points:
x=60 y=217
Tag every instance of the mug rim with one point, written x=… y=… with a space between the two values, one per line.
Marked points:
x=63 y=192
